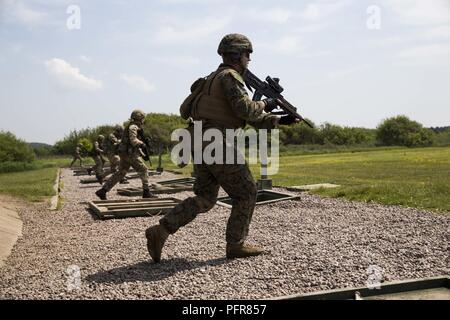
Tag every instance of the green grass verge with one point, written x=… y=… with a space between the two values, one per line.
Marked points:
x=35 y=186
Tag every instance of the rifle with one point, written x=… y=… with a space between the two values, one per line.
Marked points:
x=271 y=89
x=146 y=148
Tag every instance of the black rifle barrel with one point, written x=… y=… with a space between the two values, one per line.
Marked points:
x=262 y=88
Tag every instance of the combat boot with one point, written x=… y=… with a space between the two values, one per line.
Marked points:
x=99 y=178
x=156 y=237
x=101 y=194
x=147 y=194
x=242 y=251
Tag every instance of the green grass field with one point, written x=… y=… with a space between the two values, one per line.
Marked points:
x=411 y=177
x=34 y=185
x=417 y=178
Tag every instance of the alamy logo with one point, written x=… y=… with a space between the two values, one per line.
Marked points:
x=213 y=146
x=374 y=19
x=375 y=277
x=74 y=20
x=73 y=274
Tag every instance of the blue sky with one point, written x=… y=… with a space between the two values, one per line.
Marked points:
x=348 y=62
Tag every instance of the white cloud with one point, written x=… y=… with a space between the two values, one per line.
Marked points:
x=348 y=71
x=179 y=61
x=311 y=27
x=19 y=12
x=433 y=34
x=288 y=45
x=430 y=55
x=420 y=12
x=85 y=59
x=390 y=41
x=269 y=15
x=426 y=51
x=181 y=34
x=71 y=77
x=322 y=10
x=138 y=83
x=442 y=32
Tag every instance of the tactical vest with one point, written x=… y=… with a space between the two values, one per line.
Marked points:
x=212 y=104
x=125 y=144
x=109 y=147
x=94 y=149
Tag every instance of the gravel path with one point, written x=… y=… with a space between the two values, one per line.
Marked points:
x=315 y=244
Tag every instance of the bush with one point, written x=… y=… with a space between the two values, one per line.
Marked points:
x=14 y=150
x=300 y=134
x=9 y=166
x=401 y=131
x=86 y=137
x=42 y=150
x=157 y=126
x=442 y=138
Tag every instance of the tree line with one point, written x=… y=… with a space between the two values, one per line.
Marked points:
x=17 y=155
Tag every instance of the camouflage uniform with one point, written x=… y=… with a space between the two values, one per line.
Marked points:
x=221 y=102
x=97 y=156
x=235 y=179
x=130 y=156
x=77 y=156
x=110 y=146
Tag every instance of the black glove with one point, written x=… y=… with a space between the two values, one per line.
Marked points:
x=287 y=120
x=270 y=104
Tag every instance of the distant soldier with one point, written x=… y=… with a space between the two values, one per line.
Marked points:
x=77 y=155
x=223 y=103
x=130 y=156
x=111 y=147
x=97 y=153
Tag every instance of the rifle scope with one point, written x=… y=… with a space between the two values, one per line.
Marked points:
x=274 y=83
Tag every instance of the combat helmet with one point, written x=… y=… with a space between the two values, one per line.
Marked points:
x=118 y=130
x=137 y=115
x=100 y=137
x=235 y=43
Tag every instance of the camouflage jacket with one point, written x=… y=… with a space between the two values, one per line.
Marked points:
x=130 y=142
x=110 y=146
x=251 y=111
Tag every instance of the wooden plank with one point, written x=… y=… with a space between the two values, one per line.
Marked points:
x=123 y=210
x=132 y=208
x=278 y=196
x=189 y=180
x=136 y=191
x=134 y=205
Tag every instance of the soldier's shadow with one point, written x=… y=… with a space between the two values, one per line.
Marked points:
x=149 y=272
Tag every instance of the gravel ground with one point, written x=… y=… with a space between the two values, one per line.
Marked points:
x=314 y=243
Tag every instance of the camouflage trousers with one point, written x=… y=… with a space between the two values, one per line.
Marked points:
x=75 y=158
x=236 y=180
x=127 y=161
x=98 y=167
x=114 y=161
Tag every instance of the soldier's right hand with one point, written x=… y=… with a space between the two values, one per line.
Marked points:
x=288 y=120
